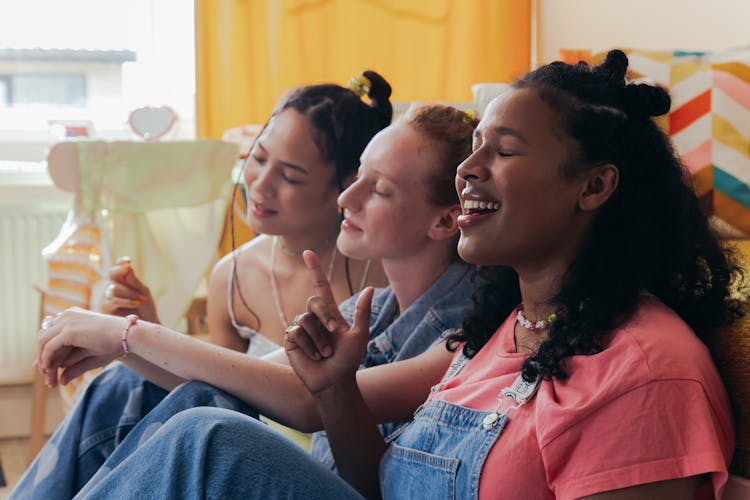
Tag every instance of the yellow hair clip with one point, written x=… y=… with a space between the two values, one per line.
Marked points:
x=360 y=85
x=470 y=115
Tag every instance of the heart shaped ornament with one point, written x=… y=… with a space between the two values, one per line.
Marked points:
x=152 y=123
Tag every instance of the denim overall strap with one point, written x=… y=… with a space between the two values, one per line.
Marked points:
x=440 y=454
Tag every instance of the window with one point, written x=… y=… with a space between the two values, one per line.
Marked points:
x=65 y=90
x=4 y=90
x=108 y=58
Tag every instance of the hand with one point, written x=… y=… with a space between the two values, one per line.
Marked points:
x=126 y=294
x=75 y=341
x=323 y=349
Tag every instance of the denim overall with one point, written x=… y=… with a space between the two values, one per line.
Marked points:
x=440 y=454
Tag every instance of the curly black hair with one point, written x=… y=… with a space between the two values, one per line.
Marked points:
x=649 y=237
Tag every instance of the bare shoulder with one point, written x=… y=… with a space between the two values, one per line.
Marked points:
x=250 y=267
x=249 y=262
x=252 y=253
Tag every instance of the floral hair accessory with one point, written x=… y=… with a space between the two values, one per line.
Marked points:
x=470 y=115
x=360 y=85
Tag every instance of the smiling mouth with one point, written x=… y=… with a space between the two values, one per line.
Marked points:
x=472 y=207
x=260 y=210
x=348 y=226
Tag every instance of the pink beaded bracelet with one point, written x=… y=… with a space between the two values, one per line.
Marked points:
x=131 y=319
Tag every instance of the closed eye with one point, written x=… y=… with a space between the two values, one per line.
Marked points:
x=504 y=153
x=380 y=191
x=291 y=181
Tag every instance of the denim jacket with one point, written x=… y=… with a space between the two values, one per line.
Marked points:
x=394 y=337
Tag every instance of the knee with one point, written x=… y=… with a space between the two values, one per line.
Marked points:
x=196 y=393
x=195 y=387
x=217 y=426
x=204 y=415
x=116 y=373
x=114 y=383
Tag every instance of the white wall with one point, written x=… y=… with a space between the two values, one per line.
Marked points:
x=643 y=24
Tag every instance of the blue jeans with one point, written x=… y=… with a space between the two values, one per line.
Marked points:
x=214 y=453
x=118 y=411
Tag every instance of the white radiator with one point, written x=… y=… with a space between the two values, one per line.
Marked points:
x=24 y=230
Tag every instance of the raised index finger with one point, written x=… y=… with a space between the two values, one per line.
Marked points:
x=320 y=282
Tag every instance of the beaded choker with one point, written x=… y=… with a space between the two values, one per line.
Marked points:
x=535 y=325
x=316 y=249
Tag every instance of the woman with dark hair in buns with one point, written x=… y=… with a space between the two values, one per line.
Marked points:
x=582 y=372
x=305 y=155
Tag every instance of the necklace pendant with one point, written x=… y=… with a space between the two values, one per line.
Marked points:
x=490 y=420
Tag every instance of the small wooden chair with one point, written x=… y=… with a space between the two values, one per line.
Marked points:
x=196 y=316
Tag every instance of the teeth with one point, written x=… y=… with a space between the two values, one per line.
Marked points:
x=481 y=205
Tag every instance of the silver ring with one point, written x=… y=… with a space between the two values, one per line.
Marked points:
x=47 y=322
x=295 y=321
x=110 y=291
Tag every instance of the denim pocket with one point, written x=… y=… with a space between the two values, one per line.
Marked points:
x=408 y=473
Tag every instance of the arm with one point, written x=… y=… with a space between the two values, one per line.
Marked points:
x=80 y=340
x=353 y=435
x=674 y=489
x=350 y=412
x=126 y=294
x=331 y=379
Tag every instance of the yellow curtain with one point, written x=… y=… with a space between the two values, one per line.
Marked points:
x=250 y=51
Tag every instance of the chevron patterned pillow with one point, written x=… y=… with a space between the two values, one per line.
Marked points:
x=709 y=123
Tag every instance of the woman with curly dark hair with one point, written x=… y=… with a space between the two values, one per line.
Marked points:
x=581 y=374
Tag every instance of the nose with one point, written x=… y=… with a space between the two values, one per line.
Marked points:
x=472 y=168
x=349 y=199
x=260 y=180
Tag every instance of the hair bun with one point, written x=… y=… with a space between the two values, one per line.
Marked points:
x=379 y=88
x=615 y=66
x=646 y=100
x=379 y=92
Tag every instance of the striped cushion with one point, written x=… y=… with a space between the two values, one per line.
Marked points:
x=74 y=262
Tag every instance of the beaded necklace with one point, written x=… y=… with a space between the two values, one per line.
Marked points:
x=274 y=287
x=316 y=249
x=534 y=325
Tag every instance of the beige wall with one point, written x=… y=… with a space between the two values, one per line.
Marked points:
x=643 y=24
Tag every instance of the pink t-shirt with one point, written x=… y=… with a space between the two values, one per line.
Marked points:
x=649 y=407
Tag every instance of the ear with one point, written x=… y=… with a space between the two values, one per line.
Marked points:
x=601 y=182
x=446 y=224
